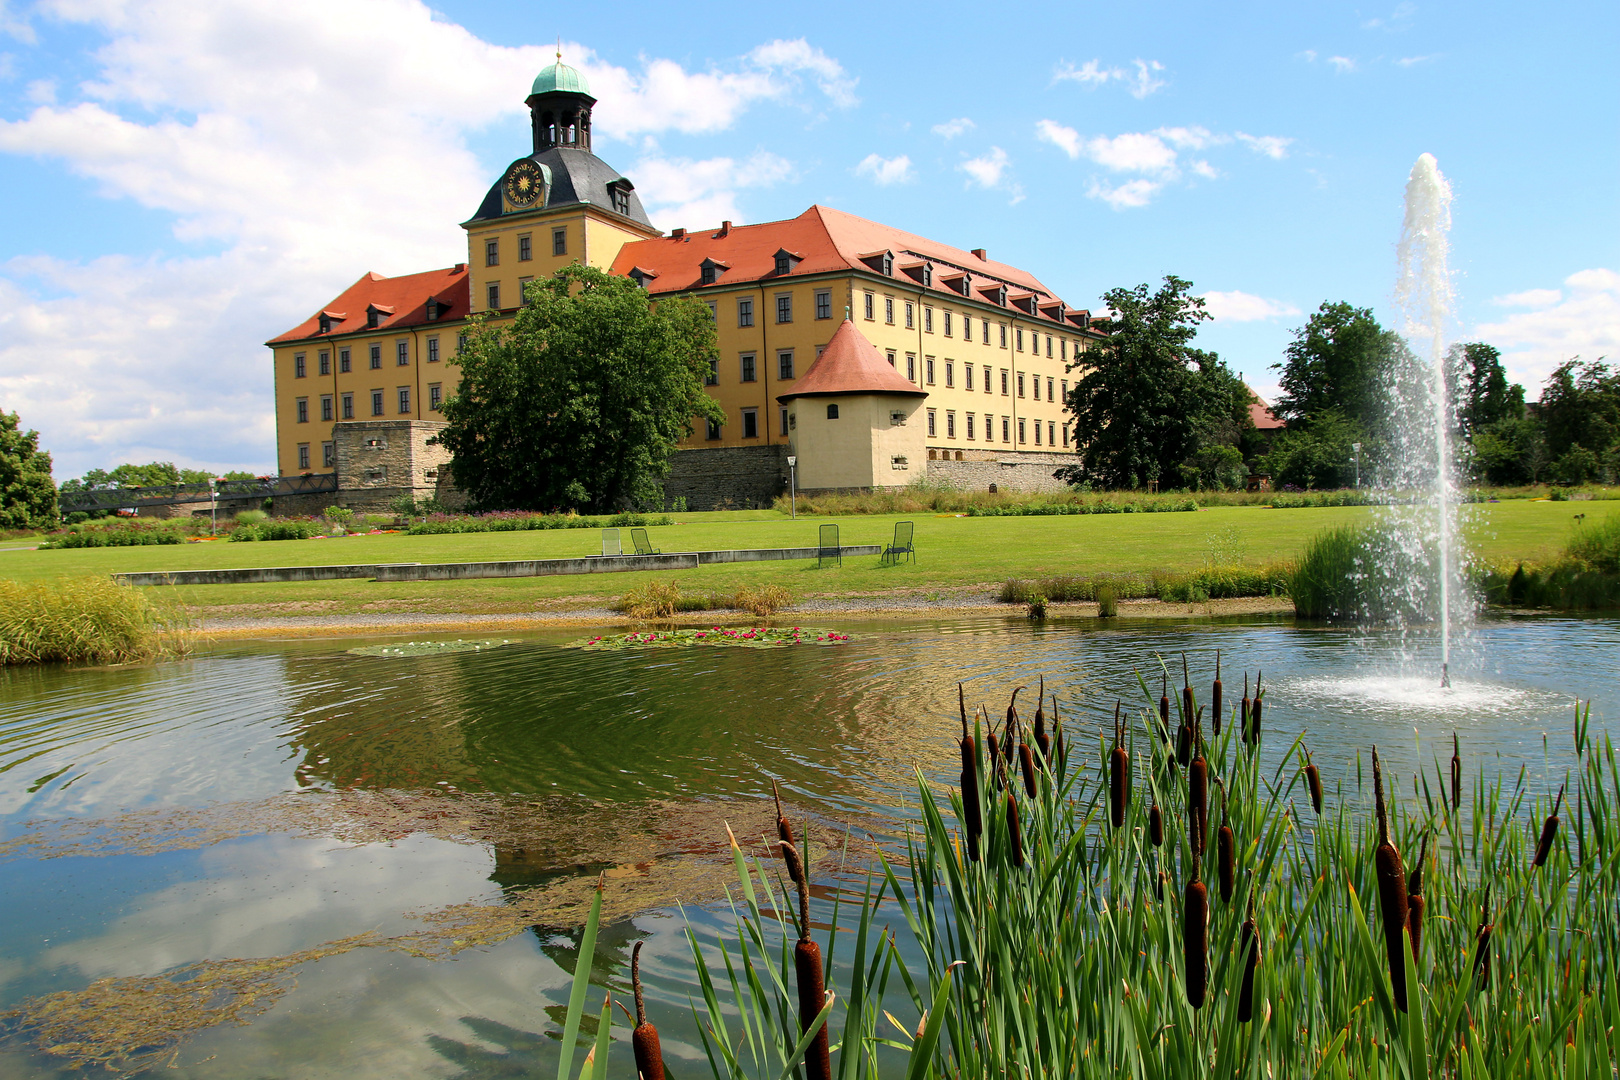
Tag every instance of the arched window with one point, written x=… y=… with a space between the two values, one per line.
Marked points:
x=832 y=412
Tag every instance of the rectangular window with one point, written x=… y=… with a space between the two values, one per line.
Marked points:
x=713 y=311
x=298 y=366
x=928 y=366
x=303 y=455
x=1003 y=382
x=326 y=362
x=713 y=377
x=713 y=431
x=1020 y=384
x=1019 y=333
x=433 y=349
x=523 y=290
x=784 y=307
x=1003 y=335
x=1037 y=433
x=461 y=344
x=888 y=310
x=950 y=373
x=910 y=315
x=747 y=364
x=784 y=421
x=326 y=407
x=967 y=328
x=435 y=396
x=1020 y=429
x=1051 y=432
x=348 y=406
x=947 y=324
x=967 y=374
x=1065 y=435
x=1065 y=391
x=986 y=326
x=559 y=241
x=930 y=423
x=402 y=353
x=911 y=367
x=750 y=418
x=891 y=358
x=328 y=455
x=525 y=249
x=303 y=410
x=1006 y=430
x=987 y=381
x=869 y=299
x=1049 y=346
x=1049 y=386
x=404 y=400
x=343 y=361
x=928 y=320
x=1063 y=348
x=376 y=403
x=970 y=425
x=784 y=365
x=950 y=425
x=494 y=290
x=745 y=311
x=823 y=303
x=492 y=253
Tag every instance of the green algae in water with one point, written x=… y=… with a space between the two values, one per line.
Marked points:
x=426 y=648
x=748 y=637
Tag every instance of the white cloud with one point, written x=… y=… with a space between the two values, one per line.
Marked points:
x=1141 y=81
x=289 y=140
x=1191 y=138
x=1272 y=146
x=1245 y=307
x=1309 y=55
x=15 y=26
x=1205 y=169
x=1064 y=138
x=1342 y=64
x=1398 y=19
x=1131 y=194
x=1411 y=61
x=1582 y=319
x=1132 y=152
x=950 y=129
x=41 y=92
x=987 y=169
x=886 y=171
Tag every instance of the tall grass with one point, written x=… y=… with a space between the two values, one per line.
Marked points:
x=1586 y=577
x=87 y=621
x=1193 y=587
x=1079 y=958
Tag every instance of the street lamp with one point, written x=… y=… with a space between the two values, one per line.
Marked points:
x=1357 y=448
x=793 y=497
x=213 y=506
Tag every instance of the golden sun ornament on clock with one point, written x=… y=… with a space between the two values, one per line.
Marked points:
x=524 y=184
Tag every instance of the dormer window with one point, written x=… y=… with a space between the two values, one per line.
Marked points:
x=928 y=275
x=619 y=195
x=328 y=318
x=881 y=261
x=710 y=271
x=886 y=267
x=641 y=276
x=786 y=260
x=376 y=314
x=998 y=296
x=435 y=309
x=1085 y=320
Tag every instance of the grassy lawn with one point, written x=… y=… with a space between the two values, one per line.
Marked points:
x=952 y=552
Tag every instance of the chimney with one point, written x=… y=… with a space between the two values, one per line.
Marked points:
x=460 y=268
x=980 y=255
x=677 y=234
x=725 y=229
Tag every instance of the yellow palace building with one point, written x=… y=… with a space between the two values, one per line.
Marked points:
x=978 y=350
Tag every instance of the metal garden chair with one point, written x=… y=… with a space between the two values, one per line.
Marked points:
x=902 y=545
x=828 y=548
x=610 y=542
x=643 y=546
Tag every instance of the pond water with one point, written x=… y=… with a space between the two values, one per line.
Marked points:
x=401 y=844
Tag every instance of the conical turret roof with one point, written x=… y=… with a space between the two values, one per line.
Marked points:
x=850 y=364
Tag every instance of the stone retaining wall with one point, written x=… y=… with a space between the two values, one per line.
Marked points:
x=1027 y=472
x=727 y=477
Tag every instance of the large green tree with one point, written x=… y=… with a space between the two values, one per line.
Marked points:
x=1580 y=406
x=1484 y=396
x=1342 y=360
x=580 y=400
x=1150 y=406
x=27 y=493
x=152 y=474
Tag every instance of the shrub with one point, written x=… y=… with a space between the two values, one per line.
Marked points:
x=277 y=530
x=131 y=535
x=77 y=516
x=251 y=517
x=655 y=600
x=87 y=620
x=1210 y=583
x=761 y=600
x=1107 y=602
x=1362 y=573
x=1037 y=607
x=340 y=516
x=508 y=521
x=1597 y=546
x=1585 y=578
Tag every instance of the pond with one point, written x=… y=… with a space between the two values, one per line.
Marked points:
x=393 y=847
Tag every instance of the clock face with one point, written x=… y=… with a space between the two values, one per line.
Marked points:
x=524 y=184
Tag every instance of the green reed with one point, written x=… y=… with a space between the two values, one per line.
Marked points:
x=87 y=621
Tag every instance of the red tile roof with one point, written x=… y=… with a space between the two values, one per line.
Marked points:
x=1259 y=412
x=825 y=241
x=850 y=365
x=404 y=299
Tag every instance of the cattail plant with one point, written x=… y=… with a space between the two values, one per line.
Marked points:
x=807 y=966
x=1010 y=731
x=1026 y=763
x=1313 y=780
x=1198 y=797
x=1482 y=945
x=1043 y=741
x=1244 y=708
x=644 y=1039
x=1253 y=731
x=1391 y=892
x=1186 y=692
x=1226 y=855
x=1164 y=706
x=784 y=831
x=973 y=817
x=1415 y=902
x=1057 y=729
x=1549 y=831
x=1456 y=774
x=1249 y=948
x=1119 y=768
x=1215 y=698
x=998 y=776
x=1156 y=824
x=1195 y=937
x=1015 y=835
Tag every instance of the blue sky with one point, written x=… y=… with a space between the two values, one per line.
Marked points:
x=187 y=179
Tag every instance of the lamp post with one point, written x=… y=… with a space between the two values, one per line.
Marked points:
x=1357 y=448
x=213 y=506
x=793 y=497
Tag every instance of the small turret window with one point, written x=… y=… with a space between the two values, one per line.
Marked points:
x=832 y=412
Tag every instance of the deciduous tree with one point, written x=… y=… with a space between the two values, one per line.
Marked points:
x=27 y=493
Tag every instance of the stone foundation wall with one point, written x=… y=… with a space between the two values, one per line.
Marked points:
x=1026 y=471
x=727 y=477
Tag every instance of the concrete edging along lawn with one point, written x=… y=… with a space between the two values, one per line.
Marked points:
x=589 y=564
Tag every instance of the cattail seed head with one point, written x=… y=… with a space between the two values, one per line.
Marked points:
x=784 y=831
x=1226 y=860
x=795 y=864
x=1482 y=946
x=1043 y=741
x=1015 y=835
x=1249 y=946
x=1195 y=938
x=1011 y=730
x=1184 y=744
x=1244 y=708
x=1164 y=706
x=644 y=1039
x=1549 y=830
x=1415 y=903
x=1156 y=825
x=973 y=818
x=812 y=996
x=1197 y=803
x=1254 y=712
x=1186 y=692
x=1215 y=697
x=1119 y=768
x=1026 y=763
x=1313 y=780
x=1456 y=774
x=994 y=745
x=1391 y=893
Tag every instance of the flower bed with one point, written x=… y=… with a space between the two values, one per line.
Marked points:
x=747 y=637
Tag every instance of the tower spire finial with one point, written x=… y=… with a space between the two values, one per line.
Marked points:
x=559 y=48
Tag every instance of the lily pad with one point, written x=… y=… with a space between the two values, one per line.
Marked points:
x=734 y=637
x=426 y=648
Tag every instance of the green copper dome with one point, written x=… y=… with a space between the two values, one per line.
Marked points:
x=560 y=76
